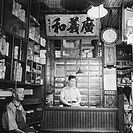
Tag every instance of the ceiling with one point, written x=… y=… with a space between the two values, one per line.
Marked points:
x=82 y=4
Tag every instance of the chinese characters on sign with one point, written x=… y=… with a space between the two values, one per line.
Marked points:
x=71 y=25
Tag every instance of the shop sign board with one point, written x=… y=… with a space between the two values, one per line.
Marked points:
x=71 y=25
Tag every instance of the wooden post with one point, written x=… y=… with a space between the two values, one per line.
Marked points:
x=132 y=87
x=120 y=110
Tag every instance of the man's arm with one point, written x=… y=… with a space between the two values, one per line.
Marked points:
x=79 y=100
x=64 y=101
x=18 y=131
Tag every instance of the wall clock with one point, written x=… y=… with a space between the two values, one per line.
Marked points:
x=109 y=36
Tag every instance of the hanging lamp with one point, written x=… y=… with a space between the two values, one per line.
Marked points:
x=80 y=54
x=97 y=12
x=79 y=71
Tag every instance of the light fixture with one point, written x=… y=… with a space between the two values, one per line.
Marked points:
x=79 y=71
x=80 y=54
x=97 y=12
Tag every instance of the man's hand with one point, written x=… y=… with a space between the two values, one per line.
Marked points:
x=75 y=104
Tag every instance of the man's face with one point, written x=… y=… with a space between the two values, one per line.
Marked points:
x=72 y=82
x=19 y=94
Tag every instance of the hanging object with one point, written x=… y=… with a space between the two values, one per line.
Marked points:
x=97 y=12
x=79 y=70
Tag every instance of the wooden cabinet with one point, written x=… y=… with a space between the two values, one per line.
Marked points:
x=22 y=56
x=69 y=56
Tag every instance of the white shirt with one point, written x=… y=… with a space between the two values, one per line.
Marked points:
x=70 y=94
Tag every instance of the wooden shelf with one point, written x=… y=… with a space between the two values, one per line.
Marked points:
x=16 y=18
x=5 y=81
x=124 y=67
x=15 y=33
x=32 y=103
x=5 y=57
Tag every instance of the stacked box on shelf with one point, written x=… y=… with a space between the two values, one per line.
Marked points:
x=31 y=32
x=37 y=48
x=59 y=84
x=42 y=51
x=5 y=93
x=28 y=71
x=87 y=51
x=17 y=73
x=57 y=54
x=57 y=48
x=36 y=57
x=29 y=65
x=30 y=50
x=2 y=68
x=28 y=91
x=34 y=30
x=43 y=56
x=34 y=72
x=42 y=41
x=16 y=51
x=38 y=74
x=37 y=34
x=123 y=78
x=4 y=46
x=59 y=80
x=18 y=11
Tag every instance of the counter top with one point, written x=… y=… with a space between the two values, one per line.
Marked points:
x=79 y=108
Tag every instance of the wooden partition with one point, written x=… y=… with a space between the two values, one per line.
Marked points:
x=80 y=119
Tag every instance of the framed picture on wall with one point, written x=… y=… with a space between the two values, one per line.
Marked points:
x=109 y=55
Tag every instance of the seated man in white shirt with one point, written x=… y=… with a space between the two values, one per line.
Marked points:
x=70 y=95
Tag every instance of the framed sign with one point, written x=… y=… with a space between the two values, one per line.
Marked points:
x=71 y=25
x=110 y=79
x=109 y=55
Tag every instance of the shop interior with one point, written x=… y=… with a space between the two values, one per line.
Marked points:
x=42 y=42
